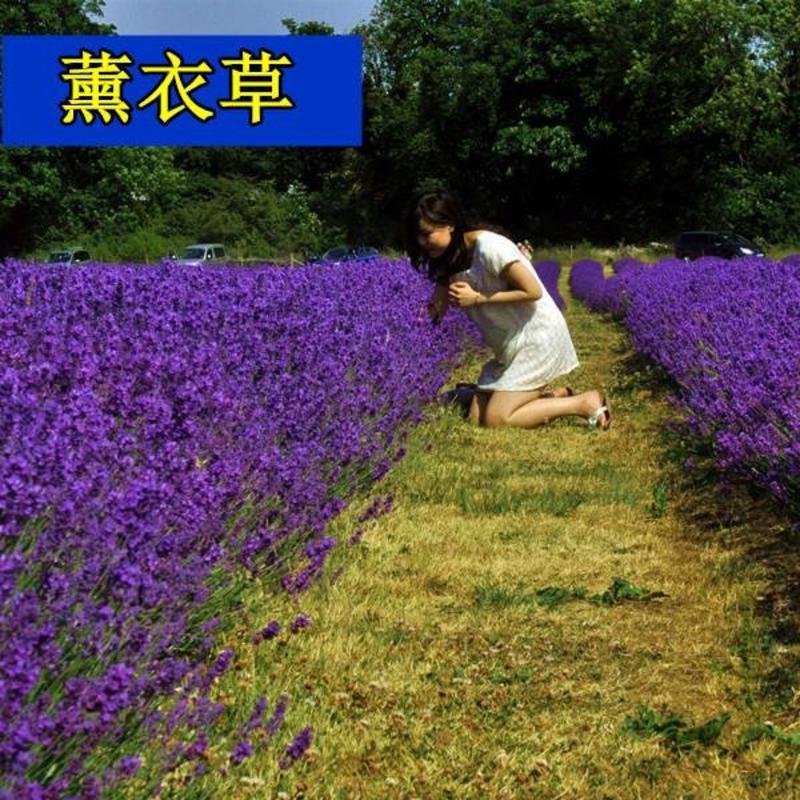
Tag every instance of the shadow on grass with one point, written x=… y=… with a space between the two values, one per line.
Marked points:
x=634 y=374
x=741 y=517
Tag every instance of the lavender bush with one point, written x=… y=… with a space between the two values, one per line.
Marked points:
x=549 y=272
x=588 y=283
x=727 y=332
x=622 y=265
x=162 y=431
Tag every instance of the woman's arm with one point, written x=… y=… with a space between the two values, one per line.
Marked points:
x=525 y=288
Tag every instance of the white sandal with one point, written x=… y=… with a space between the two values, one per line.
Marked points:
x=594 y=419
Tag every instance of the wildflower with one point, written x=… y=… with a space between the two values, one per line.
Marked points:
x=301 y=621
x=296 y=748
x=269 y=631
x=242 y=751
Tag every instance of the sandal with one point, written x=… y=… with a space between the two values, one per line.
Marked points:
x=460 y=396
x=595 y=419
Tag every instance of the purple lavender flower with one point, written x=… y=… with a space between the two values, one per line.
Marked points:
x=301 y=621
x=732 y=353
x=276 y=720
x=128 y=766
x=296 y=748
x=141 y=410
x=269 y=631
x=357 y=536
x=256 y=715
x=549 y=273
x=241 y=751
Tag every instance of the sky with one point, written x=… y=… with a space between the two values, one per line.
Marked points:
x=230 y=17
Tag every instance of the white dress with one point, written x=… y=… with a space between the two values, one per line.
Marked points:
x=530 y=340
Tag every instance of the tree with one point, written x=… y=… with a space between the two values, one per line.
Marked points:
x=603 y=118
x=32 y=180
x=310 y=28
x=53 y=16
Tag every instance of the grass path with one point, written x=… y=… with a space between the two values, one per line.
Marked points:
x=436 y=667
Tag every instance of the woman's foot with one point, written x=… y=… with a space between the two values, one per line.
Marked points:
x=598 y=413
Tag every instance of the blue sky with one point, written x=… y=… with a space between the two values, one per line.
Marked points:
x=230 y=17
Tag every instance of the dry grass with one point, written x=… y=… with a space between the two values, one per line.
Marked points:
x=433 y=669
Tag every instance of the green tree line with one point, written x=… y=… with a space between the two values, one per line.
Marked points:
x=601 y=120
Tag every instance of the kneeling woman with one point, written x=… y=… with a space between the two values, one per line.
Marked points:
x=488 y=276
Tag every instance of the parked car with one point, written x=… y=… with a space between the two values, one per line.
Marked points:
x=72 y=255
x=694 y=244
x=205 y=253
x=366 y=254
x=337 y=255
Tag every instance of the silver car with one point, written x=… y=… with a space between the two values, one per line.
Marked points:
x=205 y=253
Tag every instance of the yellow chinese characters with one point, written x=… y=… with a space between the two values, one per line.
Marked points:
x=173 y=78
x=256 y=84
x=95 y=84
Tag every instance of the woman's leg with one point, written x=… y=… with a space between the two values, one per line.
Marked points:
x=561 y=391
x=529 y=410
x=481 y=401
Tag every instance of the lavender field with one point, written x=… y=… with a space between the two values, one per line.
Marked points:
x=726 y=331
x=166 y=436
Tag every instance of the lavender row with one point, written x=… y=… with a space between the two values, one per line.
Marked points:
x=727 y=332
x=160 y=430
x=622 y=265
x=588 y=283
x=549 y=272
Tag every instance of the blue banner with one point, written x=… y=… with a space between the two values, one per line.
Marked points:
x=182 y=90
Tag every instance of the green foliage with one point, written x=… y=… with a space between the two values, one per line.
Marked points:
x=32 y=180
x=766 y=202
x=552 y=596
x=52 y=16
x=766 y=730
x=492 y=596
x=142 y=245
x=621 y=589
x=660 y=500
x=306 y=28
x=253 y=220
x=549 y=597
x=612 y=119
x=675 y=733
x=600 y=120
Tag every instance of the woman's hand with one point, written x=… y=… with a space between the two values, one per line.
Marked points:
x=526 y=248
x=463 y=295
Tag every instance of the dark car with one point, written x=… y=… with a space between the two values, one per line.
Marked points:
x=694 y=244
x=73 y=255
x=365 y=254
x=336 y=255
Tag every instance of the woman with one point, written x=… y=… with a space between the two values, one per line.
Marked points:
x=487 y=275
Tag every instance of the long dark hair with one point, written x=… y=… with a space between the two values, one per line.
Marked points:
x=440 y=208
